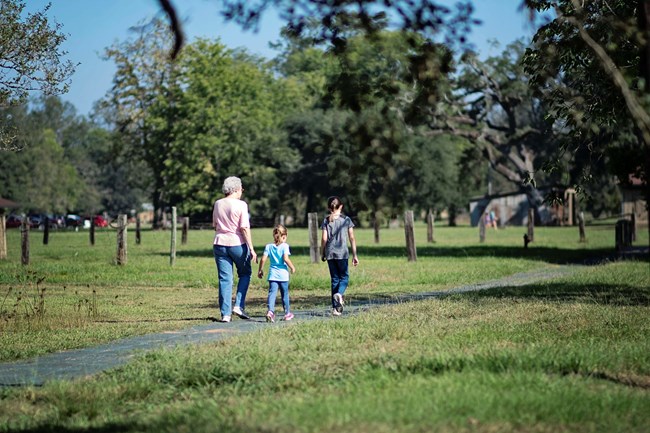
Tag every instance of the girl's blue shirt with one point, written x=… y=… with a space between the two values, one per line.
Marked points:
x=278 y=271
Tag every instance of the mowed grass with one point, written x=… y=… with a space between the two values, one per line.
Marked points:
x=72 y=294
x=567 y=355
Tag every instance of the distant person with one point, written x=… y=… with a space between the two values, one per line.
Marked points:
x=232 y=244
x=486 y=219
x=278 y=254
x=493 y=220
x=337 y=229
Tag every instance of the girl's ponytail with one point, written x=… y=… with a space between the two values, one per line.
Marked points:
x=333 y=203
x=279 y=231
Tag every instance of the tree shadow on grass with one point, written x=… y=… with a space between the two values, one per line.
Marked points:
x=543 y=254
x=603 y=294
x=107 y=428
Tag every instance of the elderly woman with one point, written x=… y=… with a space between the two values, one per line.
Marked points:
x=232 y=244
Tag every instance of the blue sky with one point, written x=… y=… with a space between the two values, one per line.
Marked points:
x=92 y=25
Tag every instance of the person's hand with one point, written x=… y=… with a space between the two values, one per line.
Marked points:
x=355 y=260
x=260 y=274
x=323 y=258
x=253 y=256
x=293 y=270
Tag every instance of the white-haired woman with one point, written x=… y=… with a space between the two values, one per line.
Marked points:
x=232 y=245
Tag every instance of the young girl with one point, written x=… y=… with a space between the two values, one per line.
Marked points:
x=337 y=229
x=278 y=253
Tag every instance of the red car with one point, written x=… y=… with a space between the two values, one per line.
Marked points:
x=13 y=221
x=100 y=221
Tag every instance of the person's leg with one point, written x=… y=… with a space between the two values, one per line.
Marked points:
x=241 y=257
x=224 y=270
x=344 y=276
x=284 y=289
x=273 y=291
x=334 y=276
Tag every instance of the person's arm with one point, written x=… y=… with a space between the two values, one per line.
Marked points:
x=260 y=271
x=287 y=260
x=323 y=244
x=353 y=244
x=246 y=232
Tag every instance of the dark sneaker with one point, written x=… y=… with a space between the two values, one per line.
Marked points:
x=240 y=313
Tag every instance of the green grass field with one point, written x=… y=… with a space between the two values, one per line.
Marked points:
x=571 y=354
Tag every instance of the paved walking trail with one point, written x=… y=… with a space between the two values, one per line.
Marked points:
x=84 y=362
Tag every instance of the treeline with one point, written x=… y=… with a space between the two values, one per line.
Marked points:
x=365 y=123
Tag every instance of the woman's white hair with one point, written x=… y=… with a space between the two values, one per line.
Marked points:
x=231 y=184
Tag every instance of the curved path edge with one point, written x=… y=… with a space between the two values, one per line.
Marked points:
x=85 y=362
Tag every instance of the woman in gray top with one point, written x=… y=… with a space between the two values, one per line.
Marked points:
x=337 y=230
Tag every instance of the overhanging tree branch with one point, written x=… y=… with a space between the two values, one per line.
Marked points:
x=637 y=111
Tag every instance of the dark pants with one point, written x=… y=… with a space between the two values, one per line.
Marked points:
x=339 y=276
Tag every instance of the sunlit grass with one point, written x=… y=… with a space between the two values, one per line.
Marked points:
x=90 y=300
x=571 y=354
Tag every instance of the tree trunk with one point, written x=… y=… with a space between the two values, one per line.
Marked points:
x=375 y=225
x=536 y=202
x=643 y=21
x=158 y=209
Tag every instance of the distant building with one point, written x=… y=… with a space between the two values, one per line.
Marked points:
x=633 y=200
x=511 y=208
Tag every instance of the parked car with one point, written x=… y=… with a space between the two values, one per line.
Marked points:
x=56 y=221
x=35 y=220
x=73 y=221
x=13 y=221
x=100 y=221
x=53 y=221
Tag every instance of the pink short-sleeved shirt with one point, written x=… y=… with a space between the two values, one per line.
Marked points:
x=228 y=216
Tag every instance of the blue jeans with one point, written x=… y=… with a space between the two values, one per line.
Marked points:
x=225 y=257
x=273 y=291
x=339 y=276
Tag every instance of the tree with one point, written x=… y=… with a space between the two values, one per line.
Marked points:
x=592 y=66
x=492 y=106
x=362 y=138
x=143 y=76
x=228 y=110
x=30 y=59
x=39 y=177
x=436 y=166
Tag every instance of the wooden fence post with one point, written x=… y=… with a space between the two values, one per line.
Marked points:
x=172 y=251
x=375 y=225
x=314 y=247
x=531 y=224
x=46 y=231
x=430 y=226
x=481 y=228
x=137 y=230
x=24 y=237
x=121 y=239
x=92 y=230
x=581 y=226
x=3 y=236
x=410 y=236
x=186 y=228
x=633 y=227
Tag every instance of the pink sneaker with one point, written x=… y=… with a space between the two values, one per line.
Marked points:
x=270 y=317
x=288 y=316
